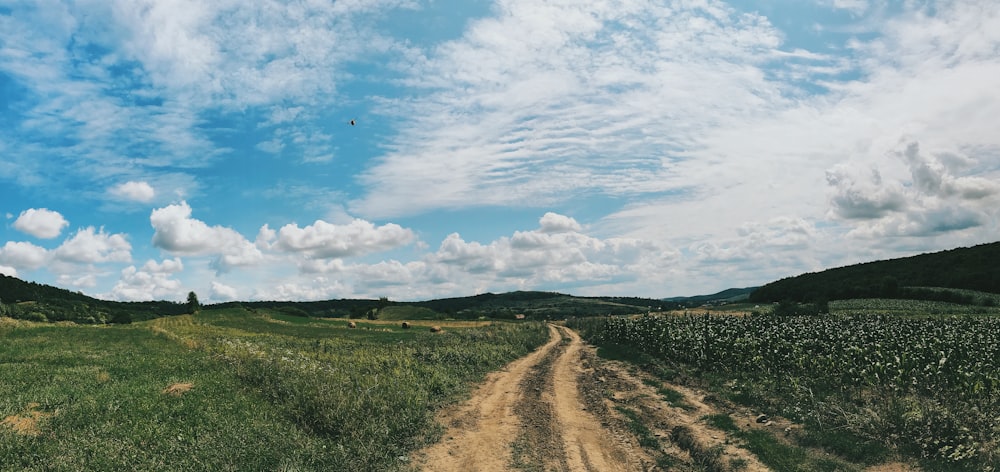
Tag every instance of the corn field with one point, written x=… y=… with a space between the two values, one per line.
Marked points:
x=928 y=387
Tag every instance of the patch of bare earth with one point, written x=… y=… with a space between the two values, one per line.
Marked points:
x=26 y=423
x=679 y=425
x=532 y=416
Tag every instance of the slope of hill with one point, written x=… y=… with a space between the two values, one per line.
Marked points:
x=729 y=295
x=38 y=302
x=973 y=268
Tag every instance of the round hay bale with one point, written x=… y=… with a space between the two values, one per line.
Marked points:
x=435 y=329
x=406 y=325
x=351 y=325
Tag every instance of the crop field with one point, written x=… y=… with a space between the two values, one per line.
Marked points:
x=236 y=389
x=865 y=386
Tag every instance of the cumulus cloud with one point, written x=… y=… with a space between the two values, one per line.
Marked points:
x=23 y=255
x=40 y=223
x=176 y=232
x=925 y=197
x=556 y=223
x=150 y=282
x=138 y=191
x=864 y=197
x=555 y=252
x=223 y=292
x=8 y=271
x=326 y=240
x=932 y=175
x=89 y=246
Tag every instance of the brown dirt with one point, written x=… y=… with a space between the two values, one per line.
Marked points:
x=531 y=415
x=562 y=408
x=178 y=389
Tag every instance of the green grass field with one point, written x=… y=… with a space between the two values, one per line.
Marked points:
x=235 y=390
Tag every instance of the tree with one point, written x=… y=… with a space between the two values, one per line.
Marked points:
x=382 y=303
x=192 y=303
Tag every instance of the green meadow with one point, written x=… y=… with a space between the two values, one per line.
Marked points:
x=236 y=389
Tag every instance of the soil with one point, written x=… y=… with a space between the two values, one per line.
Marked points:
x=562 y=408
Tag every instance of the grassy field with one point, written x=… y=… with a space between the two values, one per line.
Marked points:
x=236 y=390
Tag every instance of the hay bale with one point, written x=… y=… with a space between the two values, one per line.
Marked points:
x=351 y=325
x=406 y=325
x=435 y=329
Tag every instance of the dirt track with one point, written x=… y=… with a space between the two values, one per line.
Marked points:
x=561 y=408
x=487 y=433
x=555 y=410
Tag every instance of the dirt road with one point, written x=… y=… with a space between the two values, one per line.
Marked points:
x=531 y=415
x=561 y=408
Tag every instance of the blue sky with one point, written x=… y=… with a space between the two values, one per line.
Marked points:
x=153 y=147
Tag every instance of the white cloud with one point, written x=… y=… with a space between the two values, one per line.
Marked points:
x=151 y=282
x=556 y=223
x=545 y=102
x=541 y=256
x=223 y=292
x=325 y=240
x=89 y=247
x=8 y=271
x=41 y=223
x=138 y=191
x=178 y=233
x=857 y=197
x=23 y=255
x=854 y=6
x=77 y=280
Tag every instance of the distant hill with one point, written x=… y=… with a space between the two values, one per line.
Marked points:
x=922 y=277
x=33 y=301
x=38 y=302
x=537 y=305
x=730 y=295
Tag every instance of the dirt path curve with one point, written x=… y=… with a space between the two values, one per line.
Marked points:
x=483 y=432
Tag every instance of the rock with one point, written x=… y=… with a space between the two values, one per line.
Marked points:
x=762 y=418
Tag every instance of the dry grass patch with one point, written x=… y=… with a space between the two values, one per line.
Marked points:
x=26 y=424
x=178 y=389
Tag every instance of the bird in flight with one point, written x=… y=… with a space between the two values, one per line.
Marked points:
x=352 y=123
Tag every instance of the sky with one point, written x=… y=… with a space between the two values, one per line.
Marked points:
x=149 y=148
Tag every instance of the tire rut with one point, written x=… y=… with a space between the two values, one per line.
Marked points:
x=531 y=416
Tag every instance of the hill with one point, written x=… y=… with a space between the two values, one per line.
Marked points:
x=38 y=302
x=29 y=300
x=922 y=276
x=539 y=305
x=730 y=295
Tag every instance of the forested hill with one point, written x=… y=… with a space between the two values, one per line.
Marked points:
x=38 y=302
x=973 y=268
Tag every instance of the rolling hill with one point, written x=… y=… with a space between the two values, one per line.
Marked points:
x=922 y=276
